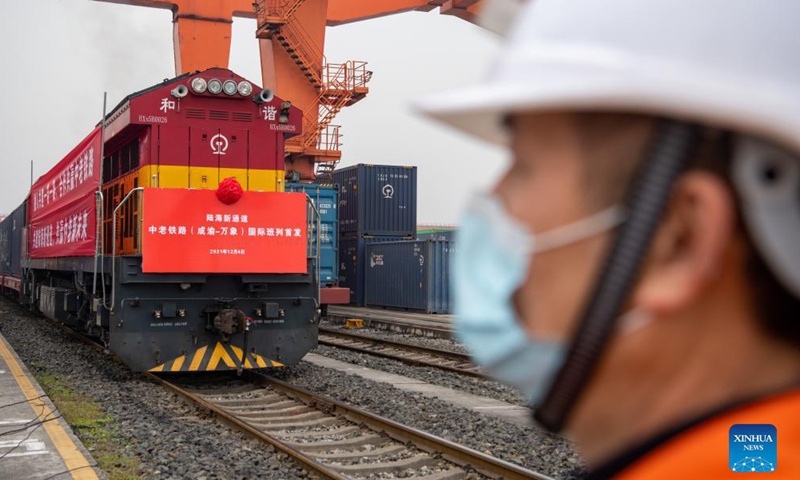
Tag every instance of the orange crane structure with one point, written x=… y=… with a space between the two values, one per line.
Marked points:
x=291 y=37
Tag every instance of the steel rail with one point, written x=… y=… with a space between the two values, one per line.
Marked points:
x=453 y=452
x=400 y=347
x=232 y=420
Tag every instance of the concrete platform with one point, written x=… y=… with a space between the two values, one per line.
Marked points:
x=414 y=323
x=35 y=442
x=486 y=406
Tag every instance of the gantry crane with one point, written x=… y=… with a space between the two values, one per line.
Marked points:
x=291 y=37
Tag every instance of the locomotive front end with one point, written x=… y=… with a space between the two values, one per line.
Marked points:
x=217 y=286
x=212 y=269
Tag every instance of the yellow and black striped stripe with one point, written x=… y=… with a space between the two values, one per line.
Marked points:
x=222 y=356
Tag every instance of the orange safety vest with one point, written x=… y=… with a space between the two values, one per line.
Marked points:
x=701 y=451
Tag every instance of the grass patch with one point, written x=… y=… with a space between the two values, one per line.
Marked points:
x=95 y=428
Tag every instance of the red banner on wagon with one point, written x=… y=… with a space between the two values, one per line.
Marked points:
x=61 y=207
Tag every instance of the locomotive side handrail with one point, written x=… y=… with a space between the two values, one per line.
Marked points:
x=319 y=245
x=114 y=243
x=98 y=244
x=99 y=248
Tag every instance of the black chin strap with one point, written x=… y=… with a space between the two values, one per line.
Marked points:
x=672 y=146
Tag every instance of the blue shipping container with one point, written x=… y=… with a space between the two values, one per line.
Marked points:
x=377 y=200
x=352 y=265
x=410 y=275
x=448 y=235
x=326 y=199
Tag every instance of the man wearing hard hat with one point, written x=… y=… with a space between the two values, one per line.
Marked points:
x=636 y=272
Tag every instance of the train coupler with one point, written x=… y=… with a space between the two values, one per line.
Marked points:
x=229 y=322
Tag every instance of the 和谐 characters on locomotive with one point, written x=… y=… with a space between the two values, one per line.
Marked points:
x=181 y=249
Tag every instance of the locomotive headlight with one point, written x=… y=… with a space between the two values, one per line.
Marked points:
x=199 y=85
x=229 y=87
x=245 y=89
x=214 y=86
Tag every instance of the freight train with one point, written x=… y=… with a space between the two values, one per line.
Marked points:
x=168 y=233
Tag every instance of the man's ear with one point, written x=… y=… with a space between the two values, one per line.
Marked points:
x=689 y=248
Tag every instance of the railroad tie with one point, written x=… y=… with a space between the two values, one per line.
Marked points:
x=414 y=462
x=270 y=427
x=326 y=445
x=394 y=448
x=266 y=413
x=286 y=436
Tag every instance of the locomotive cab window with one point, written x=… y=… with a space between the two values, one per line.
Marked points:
x=124 y=160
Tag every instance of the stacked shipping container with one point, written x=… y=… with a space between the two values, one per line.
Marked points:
x=411 y=275
x=445 y=235
x=376 y=203
x=326 y=200
x=436 y=232
x=353 y=264
x=377 y=200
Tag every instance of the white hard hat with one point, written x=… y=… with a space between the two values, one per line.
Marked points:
x=727 y=63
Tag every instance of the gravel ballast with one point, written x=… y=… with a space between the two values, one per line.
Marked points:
x=435 y=376
x=440 y=343
x=172 y=439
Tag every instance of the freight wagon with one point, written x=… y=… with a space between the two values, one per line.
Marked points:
x=168 y=234
x=12 y=245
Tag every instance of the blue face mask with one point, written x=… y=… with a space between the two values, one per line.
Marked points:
x=491 y=263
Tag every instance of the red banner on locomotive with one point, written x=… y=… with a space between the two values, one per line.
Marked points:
x=263 y=232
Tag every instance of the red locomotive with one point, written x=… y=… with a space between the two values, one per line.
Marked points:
x=179 y=248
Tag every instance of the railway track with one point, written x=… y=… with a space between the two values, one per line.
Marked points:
x=335 y=440
x=331 y=439
x=401 y=351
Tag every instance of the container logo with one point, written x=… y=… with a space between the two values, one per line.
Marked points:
x=388 y=191
x=753 y=448
x=375 y=260
x=421 y=260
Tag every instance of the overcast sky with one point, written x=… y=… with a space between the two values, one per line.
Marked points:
x=59 y=56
